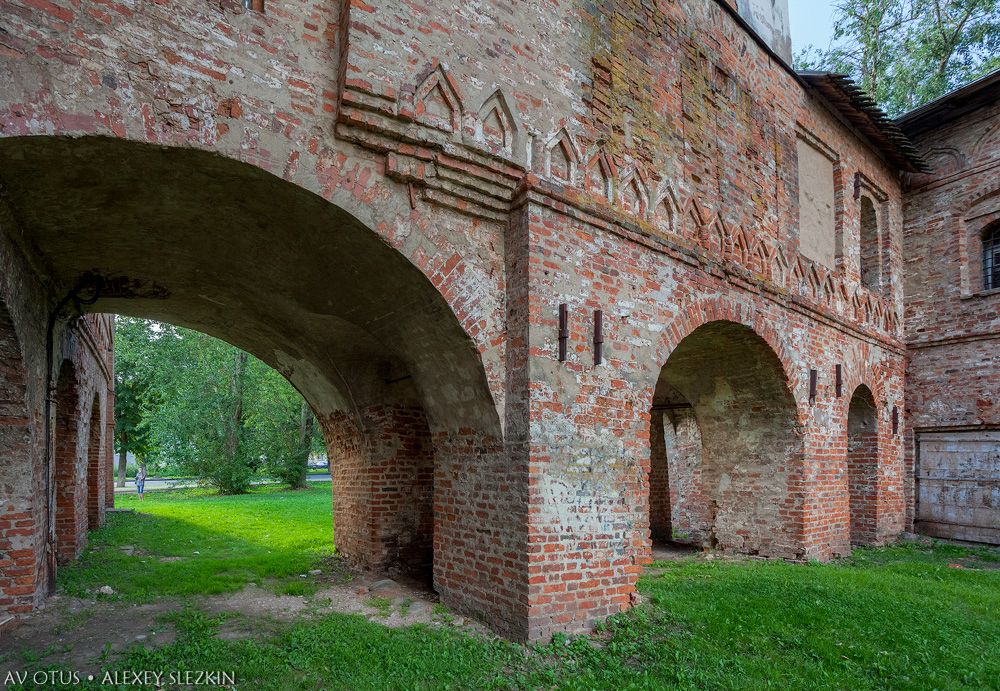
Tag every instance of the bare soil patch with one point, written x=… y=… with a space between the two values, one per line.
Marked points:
x=82 y=634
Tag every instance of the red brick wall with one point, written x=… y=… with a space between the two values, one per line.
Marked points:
x=656 y=300
x=18 y=525
x=679 y=509
x=71 y=464
x=689 y=508
x=82 y=419
x=660 y=522
x=383 y=488
x=23 y=510
x=952 y=324
x=634 y=158
x=96 y=468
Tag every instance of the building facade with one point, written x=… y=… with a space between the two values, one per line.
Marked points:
x=557 y=279
x=952 y=298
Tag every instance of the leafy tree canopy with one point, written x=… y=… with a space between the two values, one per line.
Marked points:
x=908 y=52
x=193 y=404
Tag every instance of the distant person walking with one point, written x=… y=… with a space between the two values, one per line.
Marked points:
x=140 y=480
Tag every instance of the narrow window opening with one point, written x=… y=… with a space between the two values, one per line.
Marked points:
x=870 y=265
x=991 y=258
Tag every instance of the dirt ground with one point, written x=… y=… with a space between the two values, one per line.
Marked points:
x=83 y=634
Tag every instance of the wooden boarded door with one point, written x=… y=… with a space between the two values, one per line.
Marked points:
x=958 y=485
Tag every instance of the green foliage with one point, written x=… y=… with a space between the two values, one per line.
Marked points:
x=908 y=52
x=199 y=424
x=194 y=405
x=284 y=430
x=135 y=376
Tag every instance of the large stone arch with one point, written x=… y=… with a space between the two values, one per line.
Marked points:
x=149 y=220
x=689 y=316
x=724 y=373
x=367 y=332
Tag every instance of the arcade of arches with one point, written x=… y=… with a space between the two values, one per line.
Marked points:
x=538 y=336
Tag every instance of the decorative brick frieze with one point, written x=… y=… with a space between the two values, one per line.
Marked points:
x=404 y=194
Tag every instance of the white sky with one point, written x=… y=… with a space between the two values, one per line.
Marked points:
x=812 y=23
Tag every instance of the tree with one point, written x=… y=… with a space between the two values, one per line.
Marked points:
x=283 y=429
x=199 y=423
x=908 y=52
x=134 y=379
x=208 y=409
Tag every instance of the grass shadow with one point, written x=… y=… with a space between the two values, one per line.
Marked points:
x=174 y=546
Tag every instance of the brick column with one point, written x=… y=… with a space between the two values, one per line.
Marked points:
x=96 y=476
x=862 y=475
x=109 y=453
x=70 y=470
x=660 y=499
x=586 y=445
x=690 y=511
x=383 y=484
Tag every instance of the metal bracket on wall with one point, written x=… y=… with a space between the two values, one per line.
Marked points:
x=598 y=337
x=563 y=331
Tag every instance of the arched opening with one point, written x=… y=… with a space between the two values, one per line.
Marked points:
x=71 y=463
x=862 y=465
x=95 y=466
x=398 y=386
x=677 y=510
x=725 y=441
x=870 y=247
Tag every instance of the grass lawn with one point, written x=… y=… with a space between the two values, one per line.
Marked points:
x=908 y=616
x=188 y=542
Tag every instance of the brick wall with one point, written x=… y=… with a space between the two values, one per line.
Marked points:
x=862 y=466
x=431 y=181
x=383 y=488
x=952 y=323
x=18 y=562
x=82 y=419
x=71 y=458
x=25 y=480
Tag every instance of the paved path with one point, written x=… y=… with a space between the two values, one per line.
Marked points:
x=153 y=484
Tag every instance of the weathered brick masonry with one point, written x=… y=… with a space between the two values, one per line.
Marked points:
x=953 y=314
x=49 y=503
x=389 y=201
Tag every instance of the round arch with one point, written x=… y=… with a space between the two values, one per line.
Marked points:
x=691 y=316
x=361 y=329
x=226 y=248
x=733 y=444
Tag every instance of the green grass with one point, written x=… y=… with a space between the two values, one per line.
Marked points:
x=382 y=604
x=188 y=542
x=897 y=617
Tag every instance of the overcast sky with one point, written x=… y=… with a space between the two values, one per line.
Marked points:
x=812 y=22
